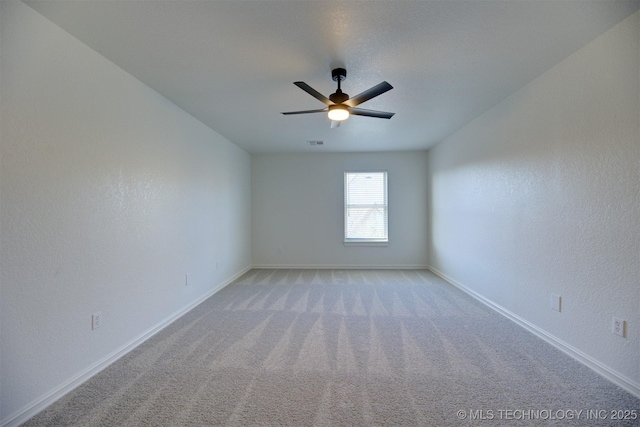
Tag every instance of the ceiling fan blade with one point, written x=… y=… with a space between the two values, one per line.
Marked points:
x=368 y=94
x=321 y=110
x=311 y=91
x=370 y=113
x=335 y=124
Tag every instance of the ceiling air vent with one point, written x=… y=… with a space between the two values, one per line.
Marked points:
x=314 y=143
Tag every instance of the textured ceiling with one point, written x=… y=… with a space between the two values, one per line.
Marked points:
x=231 y=64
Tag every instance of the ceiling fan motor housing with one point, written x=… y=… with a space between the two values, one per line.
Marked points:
x=338 y=97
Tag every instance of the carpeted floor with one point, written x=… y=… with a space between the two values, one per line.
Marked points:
x=342 y=348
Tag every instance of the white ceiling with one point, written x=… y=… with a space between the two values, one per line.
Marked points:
x=231 y=64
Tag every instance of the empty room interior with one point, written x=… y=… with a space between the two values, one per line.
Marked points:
x=319 y=213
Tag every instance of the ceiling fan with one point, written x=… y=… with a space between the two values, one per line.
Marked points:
x=339 y=105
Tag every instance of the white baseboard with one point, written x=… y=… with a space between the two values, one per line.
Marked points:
x=340 y=267
x=595 y=365
x=44 y=401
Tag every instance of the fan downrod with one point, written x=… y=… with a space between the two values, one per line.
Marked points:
x=338 y=75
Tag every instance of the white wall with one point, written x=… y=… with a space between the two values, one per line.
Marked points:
x=297 y=204
x=110 y=194
x=541 y=195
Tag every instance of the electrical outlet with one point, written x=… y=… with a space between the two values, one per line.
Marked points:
x=216 y=265
x=556 y=302
x=186 y=279
x=617 y=326
x=96 y=320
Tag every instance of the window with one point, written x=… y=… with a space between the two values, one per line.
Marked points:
x=365 y=207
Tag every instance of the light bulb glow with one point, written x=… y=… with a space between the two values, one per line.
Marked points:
x=338 y=113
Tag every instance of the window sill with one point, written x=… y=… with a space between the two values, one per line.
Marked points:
x=365 y=243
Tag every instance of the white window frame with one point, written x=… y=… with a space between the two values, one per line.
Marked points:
x=360 y=241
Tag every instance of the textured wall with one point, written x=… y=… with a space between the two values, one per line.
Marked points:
x=110 y=194
x=541 y=195
x=297 y=203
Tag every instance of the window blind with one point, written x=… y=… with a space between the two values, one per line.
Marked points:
x=365 y=207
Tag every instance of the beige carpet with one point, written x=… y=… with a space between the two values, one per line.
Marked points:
x=341 y=348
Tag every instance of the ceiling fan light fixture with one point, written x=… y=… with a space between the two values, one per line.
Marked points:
x=339 y=105
x=338 y=112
